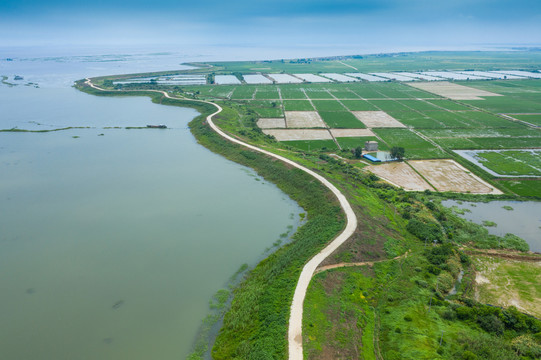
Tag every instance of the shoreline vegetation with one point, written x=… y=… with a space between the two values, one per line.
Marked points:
x=423 y=304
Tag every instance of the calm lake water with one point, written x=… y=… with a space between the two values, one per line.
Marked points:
x=523 y=220
x=112 y=241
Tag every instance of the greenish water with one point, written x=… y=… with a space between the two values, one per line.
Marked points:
x=111 y=246
x=522 y=218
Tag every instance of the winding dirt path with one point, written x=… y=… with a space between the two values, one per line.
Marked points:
x=369 y=263
x=296 y=312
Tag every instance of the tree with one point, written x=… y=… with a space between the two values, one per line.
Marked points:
x=397 y=153
x=358 y=152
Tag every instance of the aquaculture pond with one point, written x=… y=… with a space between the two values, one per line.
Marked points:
x=113 y=240
x=522 y=218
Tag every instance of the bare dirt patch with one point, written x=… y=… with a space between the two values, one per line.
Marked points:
x=505 y=282
x=271 y=123
x=402 y=175
x=299 y=134
x=452 y=91
x=448 y=175
x=304 y=119
x=351 y=132
x=377 y=119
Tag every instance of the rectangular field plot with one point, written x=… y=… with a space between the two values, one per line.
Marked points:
x=394 y=76
x=483 y=119
x=506 y=163
x=226 y=80
x=358 y=105
x=256 y=79
x=351 y=133
x=317 y=93
x=269 y=92
x=271 y=123
x=292 y=93
x=284 y=79
x=402 y=175
x=243 y=92
x=415 y=146
x=299 y=134
x=511 y=104
x=522 y=187
x=452 y=75
x=377 y=119
x=448 y=104
x=343 y=94
x=341 y=120
x=298 y=105
x=313 y=78
x=416 y=120
x=340 y=77
x=266 y=109
x=304 y=119
x=453 y=91
x=389 y=105
x=448 y=175
x=328 y=105
x=421 y=76
x=366 y=77
x=353 y=142
x=311 y=145
x=482 y=74
x=419 y=105
x=526 y=74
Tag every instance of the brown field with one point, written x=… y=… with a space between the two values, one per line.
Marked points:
x=299 y=134
x=271 y=123
x=377 y=119
x=400 y=174
x=452 y=91
x=304 y=119
x=439 y=175
x=351 y=132
x=448 y=175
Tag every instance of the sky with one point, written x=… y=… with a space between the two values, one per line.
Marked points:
x=327 y=24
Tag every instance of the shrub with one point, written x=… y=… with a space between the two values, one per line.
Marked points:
x=465 y=313
x=491 y=324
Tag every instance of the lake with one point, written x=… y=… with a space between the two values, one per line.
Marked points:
x=113 y=241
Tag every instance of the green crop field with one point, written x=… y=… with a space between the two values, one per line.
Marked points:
x=328 y=105
x=444 y=124
x=341 y=120
x=416 y=147
x=298 y=105
x=512 y=162
x=359 y=105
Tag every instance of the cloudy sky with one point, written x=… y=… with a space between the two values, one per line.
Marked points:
x=293 y=23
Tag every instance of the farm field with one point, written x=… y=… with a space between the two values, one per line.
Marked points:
x=506 y=163
x=429 y=119
x=427 y=125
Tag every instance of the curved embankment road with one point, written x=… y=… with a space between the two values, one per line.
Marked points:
x=295 y=318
